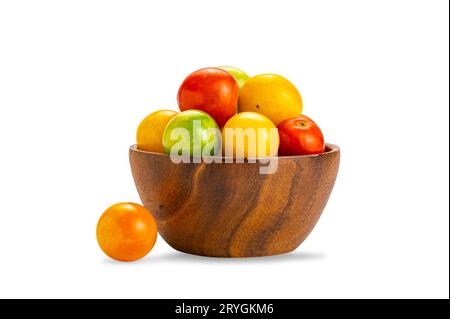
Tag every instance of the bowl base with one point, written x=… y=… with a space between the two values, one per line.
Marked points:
x=258 y=254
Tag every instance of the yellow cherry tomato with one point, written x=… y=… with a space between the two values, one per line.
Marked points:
x=271 y=95
x=126 y=232
x=250 y=134
x=150 y=131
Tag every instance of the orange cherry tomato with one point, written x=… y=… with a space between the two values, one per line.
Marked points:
x=271 y=95
x=126 y=232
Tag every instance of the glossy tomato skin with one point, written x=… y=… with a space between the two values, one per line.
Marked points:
x=126 y=231
x=150 y=131
x=262 y=127
x=271 y=95
x=211 y=90
x=300 y=136
x=240 y=76
x=186 y=121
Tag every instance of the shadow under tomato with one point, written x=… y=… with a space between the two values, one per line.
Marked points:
x=179 y=257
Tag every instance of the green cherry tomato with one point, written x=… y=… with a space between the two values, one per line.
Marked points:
x=240 y=76
x=192 y=132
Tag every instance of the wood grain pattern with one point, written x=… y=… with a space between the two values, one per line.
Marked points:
x=229 y=209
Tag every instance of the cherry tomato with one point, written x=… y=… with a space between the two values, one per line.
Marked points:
x=239 y=75
x=126 y=232
x=150 y=131
x=300 y=136
x=211 y=90
x=262 y=142
x=271 y=95
x=207 y=138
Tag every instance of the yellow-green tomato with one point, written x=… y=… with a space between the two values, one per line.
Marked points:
x=150 y=131
x=239 y=75
x=192 y=132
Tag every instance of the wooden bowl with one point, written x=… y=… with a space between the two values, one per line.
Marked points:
x=230 y=209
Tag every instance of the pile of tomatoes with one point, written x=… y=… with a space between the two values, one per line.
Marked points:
x=227 y=98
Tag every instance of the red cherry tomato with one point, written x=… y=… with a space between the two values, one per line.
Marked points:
x=211 y=90
x=300 y=136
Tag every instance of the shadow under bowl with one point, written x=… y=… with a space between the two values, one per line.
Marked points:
x=231 y=209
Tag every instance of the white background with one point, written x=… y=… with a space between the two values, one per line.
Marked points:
x=76 y=78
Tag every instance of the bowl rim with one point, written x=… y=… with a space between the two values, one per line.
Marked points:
x=329 y=149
